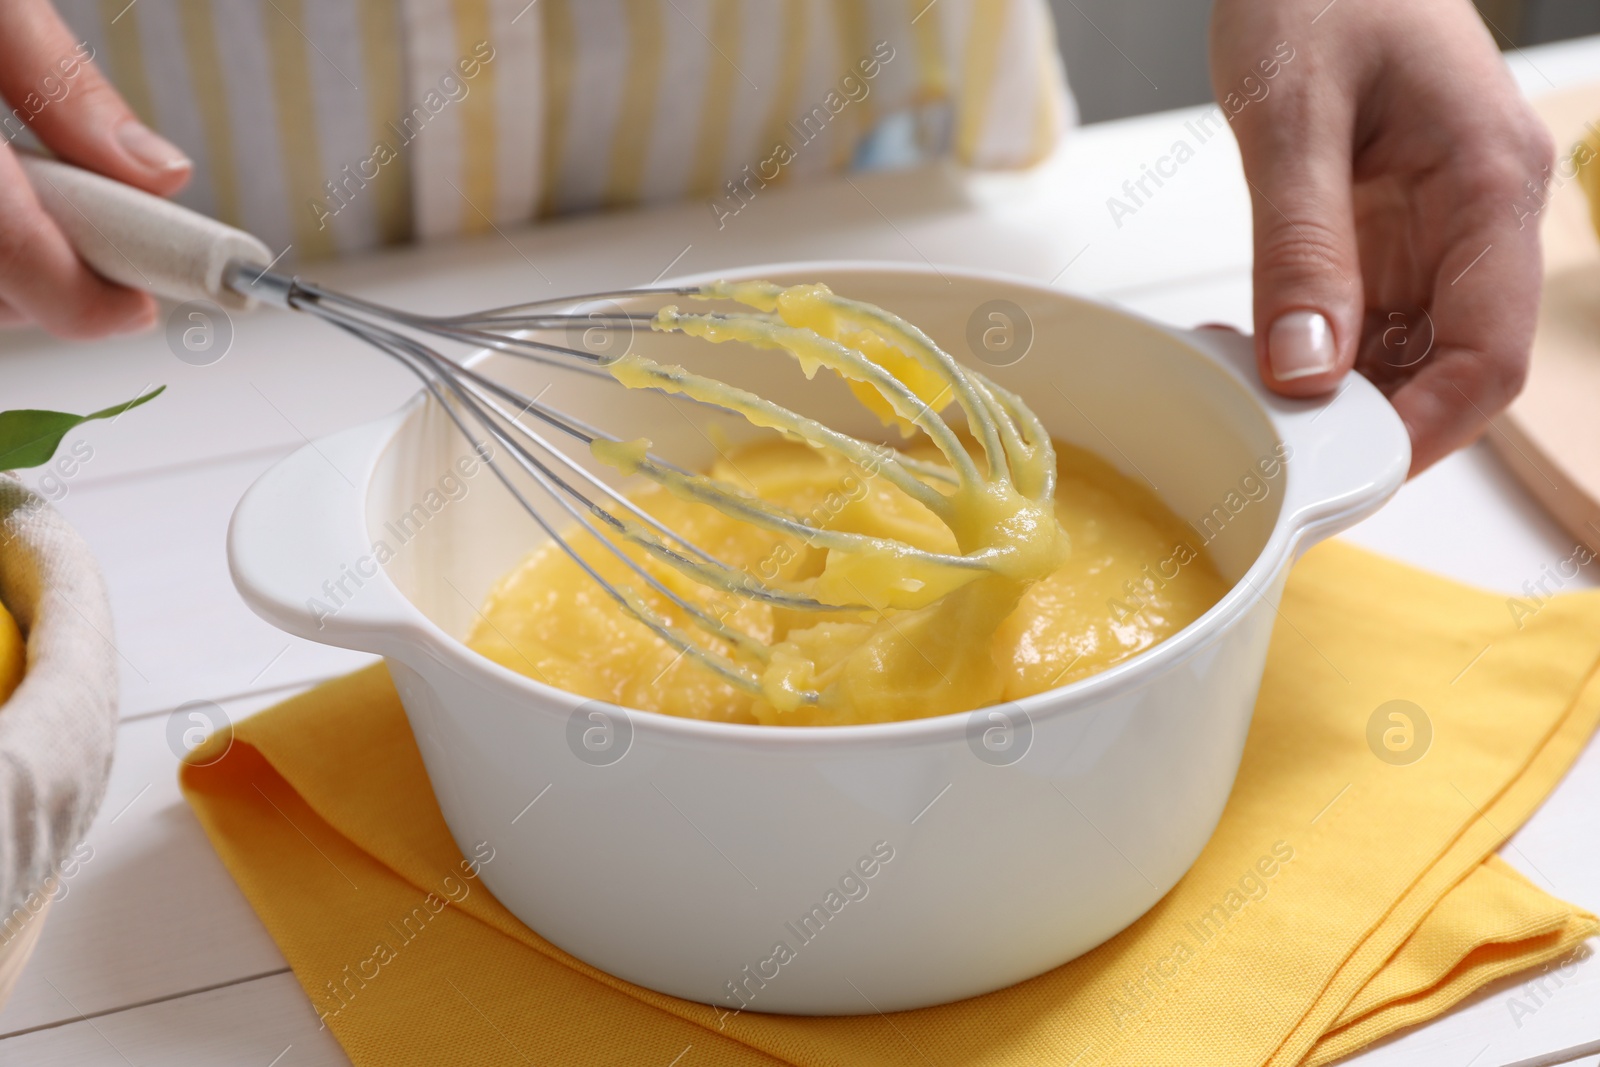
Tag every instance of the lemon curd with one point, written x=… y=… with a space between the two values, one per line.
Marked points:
x=991 y=640
x=13 y=655
x=951 y=574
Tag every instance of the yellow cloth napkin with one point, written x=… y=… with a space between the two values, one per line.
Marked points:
x=1343 y=896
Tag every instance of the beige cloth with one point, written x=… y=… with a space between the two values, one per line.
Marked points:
x=15 y=952
x=59 y=728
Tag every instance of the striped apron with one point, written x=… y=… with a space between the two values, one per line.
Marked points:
x=329 y=126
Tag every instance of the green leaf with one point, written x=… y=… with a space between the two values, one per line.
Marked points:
x=28 y=438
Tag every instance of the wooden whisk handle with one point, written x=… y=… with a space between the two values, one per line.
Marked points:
x=140 y=240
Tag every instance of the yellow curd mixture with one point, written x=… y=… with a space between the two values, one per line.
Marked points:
x=13 y=655
x=960 y=571
x=548 y=620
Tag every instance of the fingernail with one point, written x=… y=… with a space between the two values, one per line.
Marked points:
x=150 y=149
x=1299 y=345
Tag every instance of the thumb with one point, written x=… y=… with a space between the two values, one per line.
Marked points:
x=47 y=77
x=1307 y=274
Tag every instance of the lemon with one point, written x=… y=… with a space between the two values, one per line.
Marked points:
x=12 y=655
x=1586 y=158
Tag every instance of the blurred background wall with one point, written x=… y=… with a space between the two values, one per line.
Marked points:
x=1127 y=57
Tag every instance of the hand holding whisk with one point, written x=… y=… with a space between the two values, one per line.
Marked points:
x=990 y=493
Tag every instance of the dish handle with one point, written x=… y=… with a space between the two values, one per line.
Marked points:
x=300 y=554
x=1344 y=455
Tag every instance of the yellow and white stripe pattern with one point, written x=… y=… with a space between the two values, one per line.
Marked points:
x=328 y=126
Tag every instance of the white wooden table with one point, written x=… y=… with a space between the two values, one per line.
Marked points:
x=154 y=956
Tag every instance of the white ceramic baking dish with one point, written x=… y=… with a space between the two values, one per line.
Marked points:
x=898 y=865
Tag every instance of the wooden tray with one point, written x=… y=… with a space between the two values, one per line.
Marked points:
x=1550 y=436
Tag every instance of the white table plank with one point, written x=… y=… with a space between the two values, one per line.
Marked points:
x=181 y=630
x=1223 y=297
x=1555 y=66
x=264 y=1023
x=152 y=913
x=252 y=1022
x=1513 y=1023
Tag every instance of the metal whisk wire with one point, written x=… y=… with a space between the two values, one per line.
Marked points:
x=443 y=378
x=478 y=406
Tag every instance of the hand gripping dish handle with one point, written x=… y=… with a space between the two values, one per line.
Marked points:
x=1347 y=453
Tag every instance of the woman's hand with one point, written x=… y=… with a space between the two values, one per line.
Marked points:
x=49 y=84
x=1389 y=165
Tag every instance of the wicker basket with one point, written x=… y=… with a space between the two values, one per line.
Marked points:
x=58 y=730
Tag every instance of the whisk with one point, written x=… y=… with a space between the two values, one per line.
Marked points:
x=149 y=243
